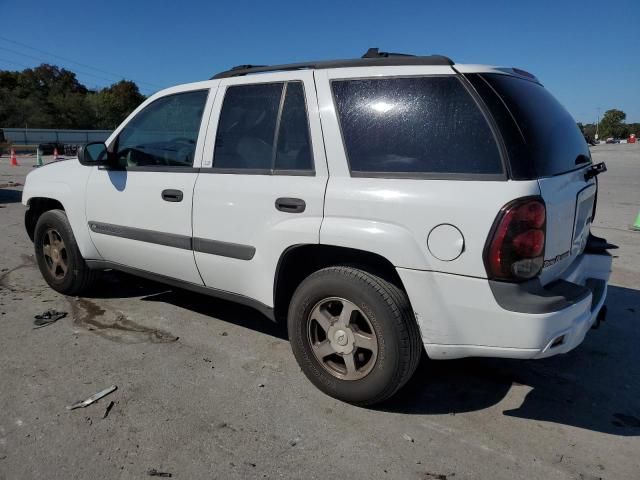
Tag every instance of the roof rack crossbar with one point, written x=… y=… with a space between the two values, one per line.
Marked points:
x=373 y=58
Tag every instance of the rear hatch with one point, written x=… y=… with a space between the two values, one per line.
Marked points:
x=544 y=143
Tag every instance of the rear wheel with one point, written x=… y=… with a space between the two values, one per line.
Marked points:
x=58 y=256
x=353 y=334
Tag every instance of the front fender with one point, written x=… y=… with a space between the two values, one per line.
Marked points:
x=65 y=182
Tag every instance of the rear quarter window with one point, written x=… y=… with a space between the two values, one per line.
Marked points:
x=553 y=142
x=416 y=126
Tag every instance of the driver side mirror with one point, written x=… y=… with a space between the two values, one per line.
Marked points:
x=95 y=154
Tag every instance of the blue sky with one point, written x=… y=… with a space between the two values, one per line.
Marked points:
x=587 y=53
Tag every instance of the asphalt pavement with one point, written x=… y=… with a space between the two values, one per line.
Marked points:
x=210 y=389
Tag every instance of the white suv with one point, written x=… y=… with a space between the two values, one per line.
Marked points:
x=381 y=205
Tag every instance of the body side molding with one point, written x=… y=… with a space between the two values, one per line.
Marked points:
x=213 y=247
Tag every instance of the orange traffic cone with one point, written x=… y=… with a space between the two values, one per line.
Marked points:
x=55 y=154
x=14 y=160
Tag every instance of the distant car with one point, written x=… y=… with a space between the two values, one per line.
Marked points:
x=382 y=206
x=612 y=140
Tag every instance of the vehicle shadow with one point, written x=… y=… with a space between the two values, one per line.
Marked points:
x=595 y=387
x=121 y=285
x=10 y=196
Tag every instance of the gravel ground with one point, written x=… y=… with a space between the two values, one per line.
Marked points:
x=209 y=389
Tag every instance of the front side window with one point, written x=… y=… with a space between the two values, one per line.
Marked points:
x=414 y=125
x=164 y=134
x=264 y=128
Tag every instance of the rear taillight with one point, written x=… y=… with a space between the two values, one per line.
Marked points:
x=515 y=247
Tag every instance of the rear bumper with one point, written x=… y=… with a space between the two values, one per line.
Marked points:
x=465 y=316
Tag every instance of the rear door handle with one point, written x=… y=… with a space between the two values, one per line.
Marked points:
x=290 y=205
x=172 y=195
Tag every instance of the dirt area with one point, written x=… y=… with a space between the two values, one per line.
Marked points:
x=210 y=389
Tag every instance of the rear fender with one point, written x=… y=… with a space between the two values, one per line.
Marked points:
x=393 y=242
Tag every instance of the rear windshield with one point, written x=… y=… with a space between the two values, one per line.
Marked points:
x=554 y=143
x=417 y=126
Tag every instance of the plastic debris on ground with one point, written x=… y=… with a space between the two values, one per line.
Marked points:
x=47 y=318
x=93 y=398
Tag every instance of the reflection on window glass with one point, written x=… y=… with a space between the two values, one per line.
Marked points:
x=247 y=138
x=247 y=126
x=554 y=143
x=294 y=149
x=165 y=133
x=414 y=125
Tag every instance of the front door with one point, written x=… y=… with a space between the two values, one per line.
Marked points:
x=139 y=213
x=261 y=188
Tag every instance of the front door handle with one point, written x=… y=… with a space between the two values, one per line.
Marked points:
x=290 y=205
x=172 y=195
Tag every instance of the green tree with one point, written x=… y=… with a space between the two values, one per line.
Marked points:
x=634 y=128
x=612 y=124
x=48 y=96
x=113 y=104
x=589 y=130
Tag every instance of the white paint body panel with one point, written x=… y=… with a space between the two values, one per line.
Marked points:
x=65 y=181
x=133 y=199
x=459 y=316
x=456 y=311
x=240 y=208
x=393 y=217
x=560 y=194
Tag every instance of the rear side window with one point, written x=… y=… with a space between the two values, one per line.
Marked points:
x=264 y=128
x=553 y=141
x=418 y=126
x=294 y=148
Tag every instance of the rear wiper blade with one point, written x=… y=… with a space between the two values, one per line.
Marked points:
x=594 y=170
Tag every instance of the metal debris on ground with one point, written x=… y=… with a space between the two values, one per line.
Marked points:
x=47 y=318
x=155 y=473
x=436 y=476
x=109 y=407
x=92 y=398
x=294 y=442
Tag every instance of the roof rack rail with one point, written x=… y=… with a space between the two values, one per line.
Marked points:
x=246 y=67
x=372 y=58
x=376 y=53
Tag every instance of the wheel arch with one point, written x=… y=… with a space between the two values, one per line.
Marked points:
x=299 y=261
x=36 y=206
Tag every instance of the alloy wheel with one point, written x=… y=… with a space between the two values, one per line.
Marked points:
x=342 y=338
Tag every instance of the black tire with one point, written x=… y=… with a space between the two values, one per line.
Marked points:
x=78 y=277
x=389 y=313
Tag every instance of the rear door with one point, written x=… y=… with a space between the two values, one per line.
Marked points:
x=555 y=152
x=261 y=188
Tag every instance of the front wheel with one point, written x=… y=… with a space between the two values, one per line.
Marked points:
x=353 y=334
x=58 y=256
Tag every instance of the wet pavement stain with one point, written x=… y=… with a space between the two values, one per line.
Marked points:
x=27 y=261
x=91 y=316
